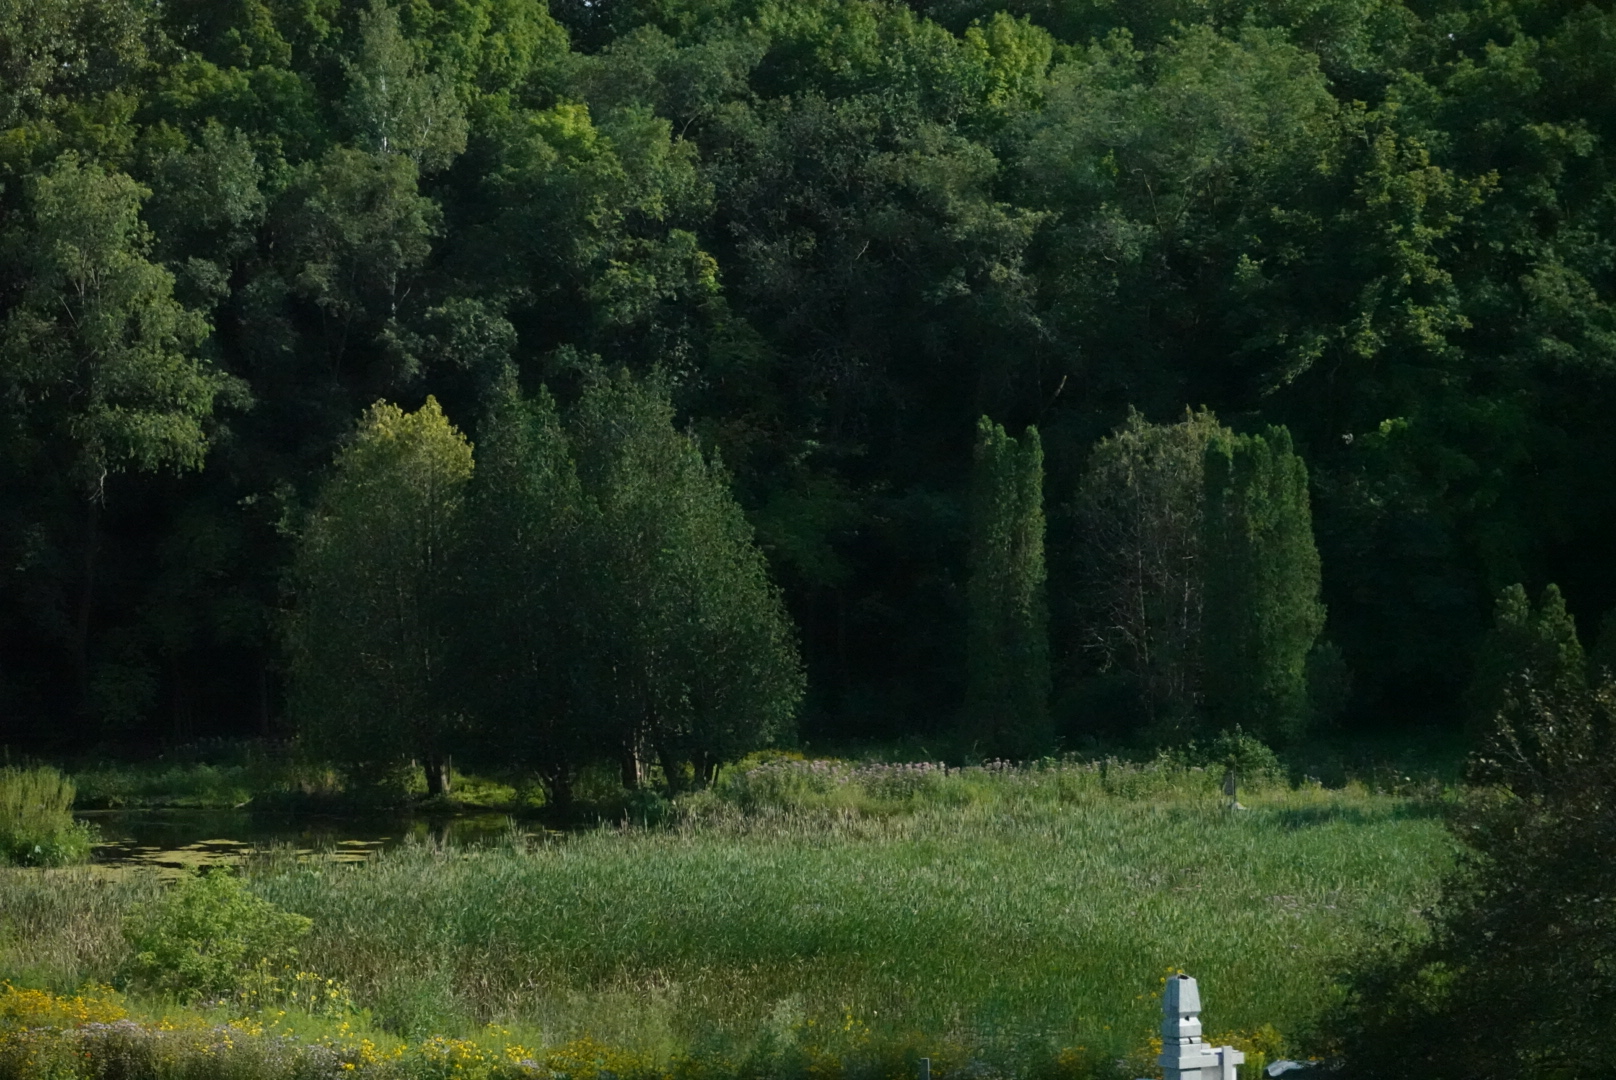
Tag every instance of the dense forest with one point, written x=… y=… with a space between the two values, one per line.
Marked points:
x=1379 y=235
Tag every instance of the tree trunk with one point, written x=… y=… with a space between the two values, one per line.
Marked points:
x=437 y=775
x=630 y=761
x=263 y=697
x=672 y=771
x=181 y=703
x=558 y=790
x=81 y=627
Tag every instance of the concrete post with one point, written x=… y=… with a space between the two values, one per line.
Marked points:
x=1185 y=1055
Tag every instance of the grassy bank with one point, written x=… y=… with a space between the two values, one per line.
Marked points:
x=213 y=775
x=836 y=913
x=265 y=776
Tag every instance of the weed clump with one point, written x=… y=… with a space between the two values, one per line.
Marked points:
x=209 y=936
x=36 y=819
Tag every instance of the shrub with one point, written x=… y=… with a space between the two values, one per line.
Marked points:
x=1246 y=754
x=1513 y=979
x=207 y=936
x=36 y=819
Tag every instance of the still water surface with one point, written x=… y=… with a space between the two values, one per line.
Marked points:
x=173 y=841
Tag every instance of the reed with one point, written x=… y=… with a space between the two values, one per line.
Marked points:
x=36 y=819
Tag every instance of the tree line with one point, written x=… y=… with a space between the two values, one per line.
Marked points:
x=583 y=589
x=838 y=232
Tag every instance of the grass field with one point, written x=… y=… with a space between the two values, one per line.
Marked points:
x=853 y=913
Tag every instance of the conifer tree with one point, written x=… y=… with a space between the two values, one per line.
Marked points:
x=1539 y=647
x=373 y=580
x=688 y=652
x=1262 y=610
x=1007 y=696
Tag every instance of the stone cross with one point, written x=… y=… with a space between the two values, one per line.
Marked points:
x=1185 y=1055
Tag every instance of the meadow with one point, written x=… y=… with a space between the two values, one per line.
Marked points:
x=806 y=913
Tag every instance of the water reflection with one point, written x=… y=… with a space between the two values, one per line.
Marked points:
x=177 y=841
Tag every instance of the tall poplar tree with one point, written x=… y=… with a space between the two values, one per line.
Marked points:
x=1262 y=609
x=374 y=582
x=1007 y=695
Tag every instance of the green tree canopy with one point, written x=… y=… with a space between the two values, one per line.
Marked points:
x=101 y=361
x=1526 y=648
x=373 y=583
x=691 y=655
x=519 y=620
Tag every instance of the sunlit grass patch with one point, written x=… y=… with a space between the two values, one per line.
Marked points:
x=36 y=819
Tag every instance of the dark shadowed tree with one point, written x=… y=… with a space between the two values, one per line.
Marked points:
x=1521 y=944
x=99 y=363
x=1262 y=612
x=519 y=616
x=1007 y=695
x=1139 y=538
x=689 y=652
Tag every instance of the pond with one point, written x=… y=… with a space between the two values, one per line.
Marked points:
x=174 y=841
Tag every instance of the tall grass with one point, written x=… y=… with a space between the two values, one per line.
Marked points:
x=1011 y=914
x=36 y=819
x=832 y=913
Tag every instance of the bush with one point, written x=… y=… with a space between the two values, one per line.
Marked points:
x=1247 y=755
x=207 y=936
x=1513 y=979
x=36 y=819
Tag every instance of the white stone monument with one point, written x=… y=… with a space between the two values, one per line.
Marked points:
x=1185 y=1055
